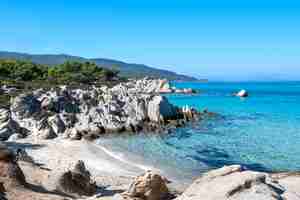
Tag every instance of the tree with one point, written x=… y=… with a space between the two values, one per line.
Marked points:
x=70 y=71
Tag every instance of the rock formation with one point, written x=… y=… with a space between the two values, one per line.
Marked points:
x=5 y=89
x=76 y=113
x=242 y=93
x=159 y=109
x=8 y=126
x=235 y=183
x=77 y=180
x=11 y=175
x=149 y=186
x=150 y=86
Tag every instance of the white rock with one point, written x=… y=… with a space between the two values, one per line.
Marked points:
x=14 y=137
x=149 y=186
x=24 y=105
x=242 y=93
x=56 y=124
x=128 y=105
x=160 y=109
x=8 y=126
x=232 y=183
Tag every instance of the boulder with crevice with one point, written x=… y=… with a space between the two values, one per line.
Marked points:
x=149 y=186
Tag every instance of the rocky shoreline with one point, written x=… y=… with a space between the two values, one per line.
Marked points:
x=32 y=176
x=66 y=167
x=133 y=106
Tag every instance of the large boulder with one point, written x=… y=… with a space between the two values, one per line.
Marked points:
x=25 y=105
x=234 y=183
x=136 y=110
x=57 y=124
x=290 y=181
x=43 y=129
x=73 y=134
x=60 y=100
x=77 y=181
x=159 y=109
x=8 y=126
x=190 y=113
x=10 y=173
x=26 y=111
x=149 y=186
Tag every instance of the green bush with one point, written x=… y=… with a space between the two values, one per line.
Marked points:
x=69 y=71
x=22 y=70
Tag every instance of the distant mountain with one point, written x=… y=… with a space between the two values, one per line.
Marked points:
x=126 y=69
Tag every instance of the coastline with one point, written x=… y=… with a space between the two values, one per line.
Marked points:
x=56 y=150
x=55 y=128
x=106 y=167
x=114 y=178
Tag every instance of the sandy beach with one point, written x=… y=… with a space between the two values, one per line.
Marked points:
x=112 y=173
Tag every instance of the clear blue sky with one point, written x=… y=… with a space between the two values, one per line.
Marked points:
x=216 y=39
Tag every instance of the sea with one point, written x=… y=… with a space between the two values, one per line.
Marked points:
x=260 y=132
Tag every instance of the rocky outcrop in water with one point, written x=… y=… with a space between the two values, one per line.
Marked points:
x=242 y=93
x=235 y=183
x=77 y=113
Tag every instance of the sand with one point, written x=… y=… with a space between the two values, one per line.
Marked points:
x=113 y=174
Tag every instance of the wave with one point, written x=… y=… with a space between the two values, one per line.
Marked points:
x=128 y=162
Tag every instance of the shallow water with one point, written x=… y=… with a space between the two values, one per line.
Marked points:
x=261 y=132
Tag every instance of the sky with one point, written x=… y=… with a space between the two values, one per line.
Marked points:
x=214 y=39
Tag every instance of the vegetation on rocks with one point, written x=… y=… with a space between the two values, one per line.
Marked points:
x=82 y=72
x=21 y=76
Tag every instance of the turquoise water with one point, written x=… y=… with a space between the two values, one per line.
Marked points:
x=261 y=132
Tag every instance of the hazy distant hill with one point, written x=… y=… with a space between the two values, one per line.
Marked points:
x=126 y=69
